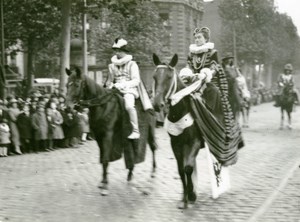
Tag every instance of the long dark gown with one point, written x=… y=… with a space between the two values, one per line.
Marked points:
x=213 y=113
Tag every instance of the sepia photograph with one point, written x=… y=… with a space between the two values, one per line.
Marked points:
x=149 y=111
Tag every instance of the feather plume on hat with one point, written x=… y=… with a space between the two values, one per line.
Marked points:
x=120 y=44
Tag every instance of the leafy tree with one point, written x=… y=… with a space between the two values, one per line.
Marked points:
x=35 y=23
x=262 y=33
x=142 y=28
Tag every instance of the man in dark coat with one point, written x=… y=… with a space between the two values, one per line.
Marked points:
x=25 y=129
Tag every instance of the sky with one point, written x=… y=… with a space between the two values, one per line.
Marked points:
x=291 y=8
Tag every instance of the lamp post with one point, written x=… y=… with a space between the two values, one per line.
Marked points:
x=84 y=40
x=234 y=44
x=2 y=72
x=2 y=35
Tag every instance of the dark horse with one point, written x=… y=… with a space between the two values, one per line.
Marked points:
x=186 y=142
x=110 y=124
x=286 y=102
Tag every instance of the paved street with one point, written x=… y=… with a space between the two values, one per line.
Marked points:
x=62 y=185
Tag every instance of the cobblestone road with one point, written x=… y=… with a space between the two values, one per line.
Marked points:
x=62 y=185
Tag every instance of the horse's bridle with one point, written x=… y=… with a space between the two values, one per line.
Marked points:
x=173 y=86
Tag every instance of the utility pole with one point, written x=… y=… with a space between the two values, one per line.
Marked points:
x=234 y=44
x=2 y=71
x=84 y=40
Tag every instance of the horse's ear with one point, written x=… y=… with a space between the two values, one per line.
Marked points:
x=78 y=72
x=174 y=61
x=68 y=71
x=156 y=59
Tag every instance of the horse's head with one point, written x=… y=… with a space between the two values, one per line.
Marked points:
x=74 y=86
x=164 y=81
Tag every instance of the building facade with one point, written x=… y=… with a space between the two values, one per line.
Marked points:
x=180 y=17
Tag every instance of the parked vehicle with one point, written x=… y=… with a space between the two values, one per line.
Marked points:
x=45 y=85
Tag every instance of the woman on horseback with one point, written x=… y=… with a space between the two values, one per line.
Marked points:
x=212 y=98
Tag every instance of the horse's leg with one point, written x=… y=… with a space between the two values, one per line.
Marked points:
x=243 y=116
x=152 y=143
x=282 y=118
x=184 y=202
x=105 y=145
x=134 y=149
x=178 y=153
x=190 y=170
x=247 y=115
x=289 y=120
x=130 y=173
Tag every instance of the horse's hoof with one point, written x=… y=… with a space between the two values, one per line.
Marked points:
x=289 y=127
x=153 y=175
x=182 y=205
x=130 y=176
x=104 y=192
x=192 y=197
x=102 y=185
x=281 y=128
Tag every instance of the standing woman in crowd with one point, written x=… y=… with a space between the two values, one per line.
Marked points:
x=13 y=112
x=55 y=122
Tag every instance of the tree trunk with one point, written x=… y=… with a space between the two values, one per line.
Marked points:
x=65 y=43
x=2 y=83
x=30 y=68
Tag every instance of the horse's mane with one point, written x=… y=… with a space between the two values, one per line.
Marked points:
x=94 y=88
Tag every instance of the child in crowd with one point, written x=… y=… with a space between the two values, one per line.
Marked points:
x=4 y=137
x=84 y=123
x=4 y=131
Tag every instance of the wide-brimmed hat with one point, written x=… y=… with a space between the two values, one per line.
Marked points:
x=120 y=44
x=227 y=55
x=288 y=67
x=13 y=100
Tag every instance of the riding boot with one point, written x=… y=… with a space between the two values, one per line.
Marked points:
x=134 y=122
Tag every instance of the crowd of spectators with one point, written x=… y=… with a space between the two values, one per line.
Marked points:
x=40 y=123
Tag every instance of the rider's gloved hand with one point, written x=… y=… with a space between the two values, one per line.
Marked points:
x=119 y=86
x=205 y=74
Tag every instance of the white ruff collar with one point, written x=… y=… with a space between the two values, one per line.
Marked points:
x=200 y=49
x=122 y=61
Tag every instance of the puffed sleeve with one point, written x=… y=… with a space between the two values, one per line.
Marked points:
x=135 y=75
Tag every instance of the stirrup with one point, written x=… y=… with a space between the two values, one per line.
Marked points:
x=134 y=135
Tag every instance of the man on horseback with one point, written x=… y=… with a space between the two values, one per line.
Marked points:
x=235 y=93
x=239 y=95
x=125 y=76
x=285 y=79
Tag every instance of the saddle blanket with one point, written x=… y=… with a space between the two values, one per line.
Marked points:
x=178 y=127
